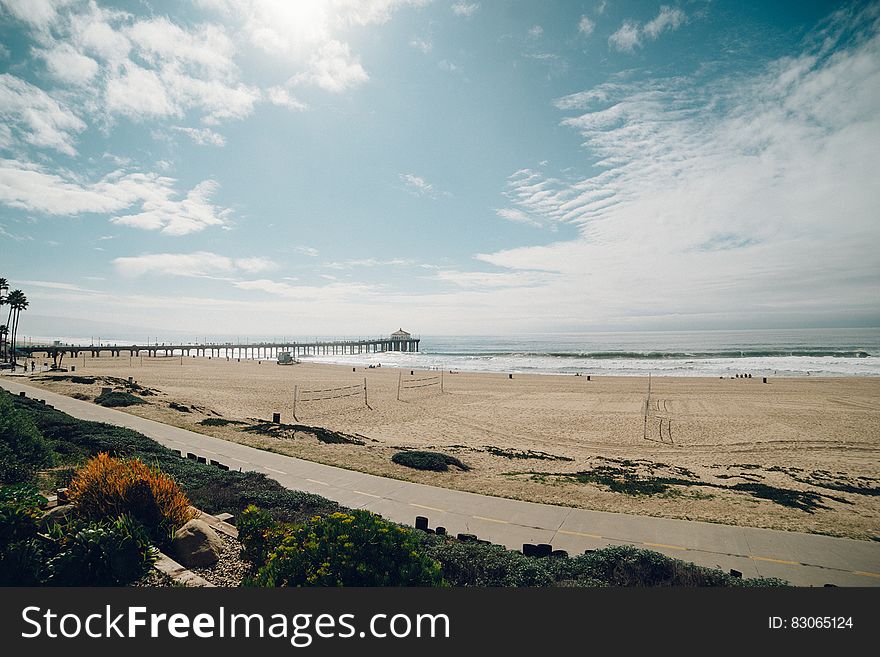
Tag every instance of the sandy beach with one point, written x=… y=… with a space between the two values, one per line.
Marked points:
x=797 y=454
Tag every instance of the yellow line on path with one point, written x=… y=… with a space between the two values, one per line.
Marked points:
x=274 y=470
x=239 y=460
x=360 y=492
x=500 y=522
x=430 y=508
x=866 y=574
x=571 y=533
x=315 y=481
x=664 y=545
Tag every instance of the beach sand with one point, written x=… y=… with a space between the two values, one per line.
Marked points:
x=796 y=454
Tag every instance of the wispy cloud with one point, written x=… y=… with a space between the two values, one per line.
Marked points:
x=417 y=185
x=586 y=25
x=424 y=44
x=203 y=136
x=517 y=216
x=631 y=33
x=465 y=9
x=333 y=68
x=34 y=117
x=200 y=263
x=371 y=262
x=709 y=189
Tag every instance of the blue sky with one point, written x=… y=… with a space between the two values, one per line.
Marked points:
x=271 y=167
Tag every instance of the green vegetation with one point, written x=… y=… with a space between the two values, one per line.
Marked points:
x=342 y=549
x=118 y=398
x=110 y=552
x=218 y=422
x=23 y=450
x=110 y=487
x=521 y=454
x=288 y=542
x=434 y=461
x=208 y=488
x=638 y=478
x=279 y=430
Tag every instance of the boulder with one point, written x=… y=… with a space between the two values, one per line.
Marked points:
x=57 y=515
x=196 y=545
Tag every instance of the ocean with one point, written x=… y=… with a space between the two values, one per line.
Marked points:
x=801 y=352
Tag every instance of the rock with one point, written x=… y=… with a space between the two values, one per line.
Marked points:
x=56 y=516
x=196 y=545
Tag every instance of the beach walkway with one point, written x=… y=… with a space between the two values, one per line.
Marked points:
x=803 y=559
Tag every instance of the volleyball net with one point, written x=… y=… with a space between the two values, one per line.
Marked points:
x=413 y=385
x=302 y=396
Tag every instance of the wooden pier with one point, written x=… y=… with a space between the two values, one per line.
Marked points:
x=264 y=350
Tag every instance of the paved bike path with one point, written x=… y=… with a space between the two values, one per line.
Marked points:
x=802 y=559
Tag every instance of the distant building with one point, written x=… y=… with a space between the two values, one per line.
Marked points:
x=400 y=334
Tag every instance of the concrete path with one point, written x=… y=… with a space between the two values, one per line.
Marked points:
x=802 y=559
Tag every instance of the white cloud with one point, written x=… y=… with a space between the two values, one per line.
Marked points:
x=36 y=117
x=517 y=216
x=626 y=38
x=669 y=18
x=203 y=136
x=601 y=7
x=39 y=14
x=629 y=36
x=139 y=93
x=200 y=263
x=731 y=201
x=307 y=250
x=465 y=8
x=586 y=25
x=189 y=215
x=417 y=185
x=484 y=280
x=278 y=95
x=423 y=44
x=446 y=65
x=371 y=262
x=333 y=68
x=67 y=65
x=536 y=31
x=29 y=187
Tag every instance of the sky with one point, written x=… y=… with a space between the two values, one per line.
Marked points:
x=345 y=168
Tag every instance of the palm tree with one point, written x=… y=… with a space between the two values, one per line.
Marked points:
x=17 y=302
x=4 y=330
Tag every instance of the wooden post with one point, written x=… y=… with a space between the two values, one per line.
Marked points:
x=441 y=382
x=294 y=404
x=399 y=375
x=366 y=403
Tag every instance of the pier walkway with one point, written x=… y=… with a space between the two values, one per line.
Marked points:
x=232 y=350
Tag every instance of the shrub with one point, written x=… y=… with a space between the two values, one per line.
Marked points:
x=477 y=564
x=107 y=487
x=259 y=534
x=19 y=512
x=116 y=398
x=23 y=450
x=427 y=461
x=106 y=553
x=20 y=558
x=348 y=549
